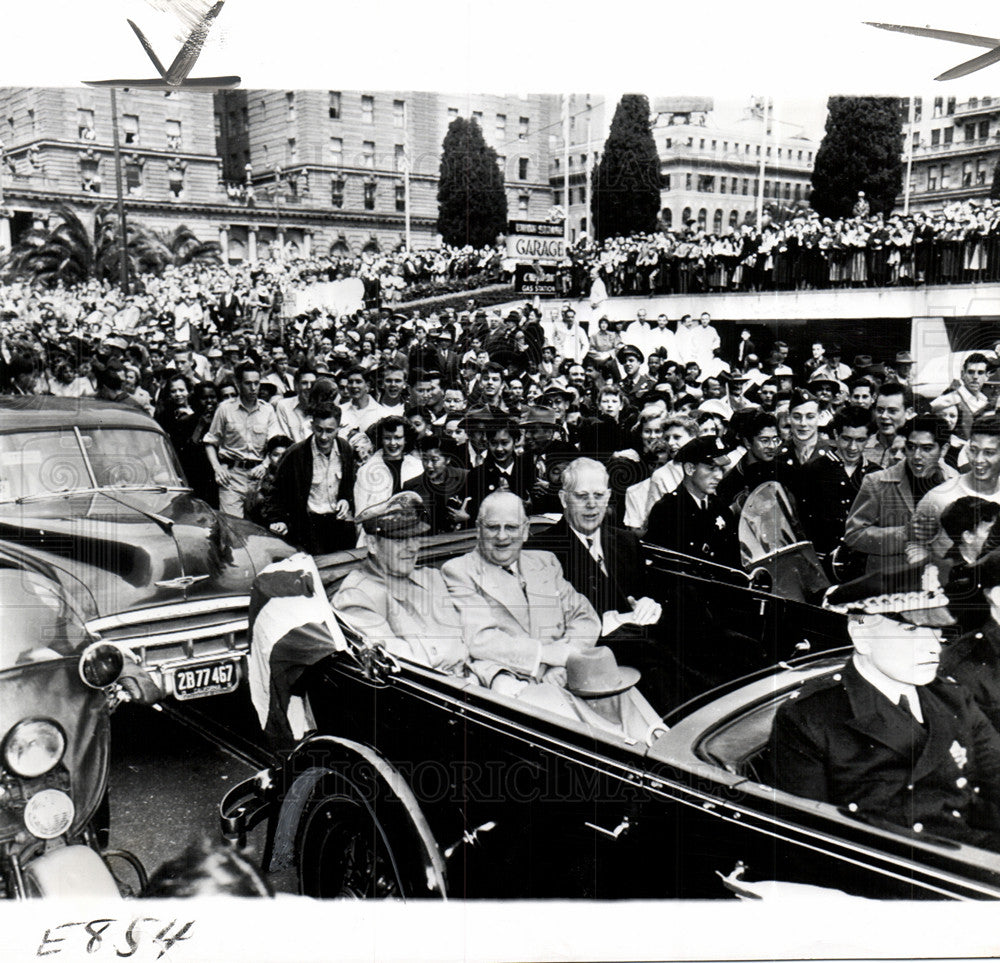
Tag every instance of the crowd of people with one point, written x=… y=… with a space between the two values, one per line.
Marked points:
x=377 y=428
x=957 y=244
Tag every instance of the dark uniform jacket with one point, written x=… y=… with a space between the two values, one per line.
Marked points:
x=487 y=478
x=678 y=523
x=825 y=496
x=288 y=499
x=441 y=498
x=744 y=478
x=974 y=661
x=843 y=742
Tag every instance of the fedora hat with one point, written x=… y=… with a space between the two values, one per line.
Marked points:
x=595 y=672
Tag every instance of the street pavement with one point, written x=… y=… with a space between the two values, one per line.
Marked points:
x=167 y=779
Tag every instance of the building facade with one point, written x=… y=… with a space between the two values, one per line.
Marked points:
x=306 y=171
x=57 y=148
x=711 y=174
x=952 y=148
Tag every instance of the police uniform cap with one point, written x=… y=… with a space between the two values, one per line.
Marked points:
x=912 y=593
x=707 y=450
x=402 y=516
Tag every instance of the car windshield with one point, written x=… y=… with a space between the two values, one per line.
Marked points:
x=39 y=463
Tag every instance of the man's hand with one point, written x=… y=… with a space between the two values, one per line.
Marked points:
x=508 y=684
x=556 y=653
x=279 y=528
x=343 y=509
x=258 y=471
x=222 y=476
x=555 y=675
x=460 y=515
x=630 y=453
x=915 y=554
x=644 y=611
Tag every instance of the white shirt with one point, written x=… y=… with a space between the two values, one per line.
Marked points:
x=890 y=688
x=292 y=419
x=325 y=487
x=362 y=419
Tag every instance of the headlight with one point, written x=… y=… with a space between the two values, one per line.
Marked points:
x=101 y=664
x=48 y=813
x=33 y=747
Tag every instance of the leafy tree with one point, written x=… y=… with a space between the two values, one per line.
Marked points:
x=861 y=151
x=626 y=180
x=995 y=189
x=472 y=202
x=70 y=252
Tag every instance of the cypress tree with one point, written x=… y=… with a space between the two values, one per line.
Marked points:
x=626 y=181
x=861 y=151
x=472 y=202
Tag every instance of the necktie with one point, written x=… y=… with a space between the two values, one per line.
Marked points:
x=515 y=570
x=904 y=704
x=596 y=554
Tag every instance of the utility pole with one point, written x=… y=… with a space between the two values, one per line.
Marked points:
x=566 y=169
x=123 y=238
x=909 y=157
x=406 y=179
x=762 y=166
x=586 y=176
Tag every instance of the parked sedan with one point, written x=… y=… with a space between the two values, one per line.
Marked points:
x=417 y=783
x=93 y=490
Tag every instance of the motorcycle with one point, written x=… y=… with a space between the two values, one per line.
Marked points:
x=57 y=689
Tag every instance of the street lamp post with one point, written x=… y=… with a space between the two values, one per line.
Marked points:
x=123 y=239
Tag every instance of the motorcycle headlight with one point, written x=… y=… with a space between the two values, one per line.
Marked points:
x=48 y=814
x=33 y=747
x=101 y=664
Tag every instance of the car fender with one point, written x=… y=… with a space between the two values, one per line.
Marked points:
x=319 y=757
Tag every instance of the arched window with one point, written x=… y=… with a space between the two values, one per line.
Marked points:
x=339 y=248
x=686 y=216
x=717 y=222
x=668 y=218
x=371 y=247
x=734 y=219
x=702 y=218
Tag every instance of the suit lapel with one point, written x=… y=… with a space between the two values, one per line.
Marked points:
x=940 y=733
x=903 y=487
x=877 y=718
x=505 y=589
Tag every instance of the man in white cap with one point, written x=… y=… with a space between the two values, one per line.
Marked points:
x=887 y=737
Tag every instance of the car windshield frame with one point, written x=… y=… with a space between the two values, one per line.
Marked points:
x=83 y=464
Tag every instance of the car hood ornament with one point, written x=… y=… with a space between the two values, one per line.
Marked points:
x=185 y=581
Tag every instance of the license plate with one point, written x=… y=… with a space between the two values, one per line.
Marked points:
x=207 y=678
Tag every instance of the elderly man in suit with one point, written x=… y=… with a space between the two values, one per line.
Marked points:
x=517 y=608
x=877 y=525
x=887 y=737
x=607 y=565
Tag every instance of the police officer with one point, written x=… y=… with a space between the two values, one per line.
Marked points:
x=692 y=519
x=887 y=737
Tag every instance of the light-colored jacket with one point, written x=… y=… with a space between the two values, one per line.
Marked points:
x=507 y=625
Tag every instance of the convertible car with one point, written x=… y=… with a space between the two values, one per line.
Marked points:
x=420 y=784
x=92 y=491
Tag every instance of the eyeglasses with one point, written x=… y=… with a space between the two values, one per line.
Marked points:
x=585 y=497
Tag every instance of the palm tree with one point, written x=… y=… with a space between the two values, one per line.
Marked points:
x=186 y=248
x=70 y=253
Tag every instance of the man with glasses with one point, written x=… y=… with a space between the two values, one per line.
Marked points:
x=606 y=564
x=236 y=439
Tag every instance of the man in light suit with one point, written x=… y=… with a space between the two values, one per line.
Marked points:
x=517 y=608
x=878 y=521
